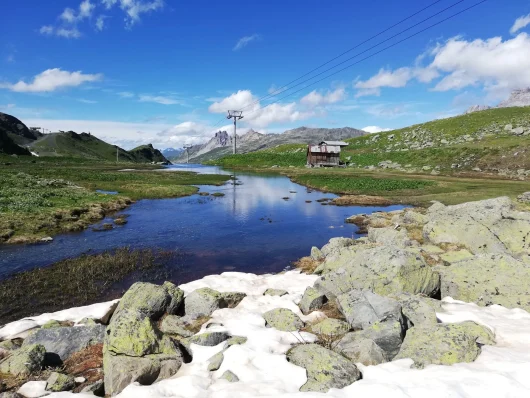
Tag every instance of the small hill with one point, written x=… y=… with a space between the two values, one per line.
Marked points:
x=221 y=144
x=146 y=153
x=17 y=131
x=8 y=146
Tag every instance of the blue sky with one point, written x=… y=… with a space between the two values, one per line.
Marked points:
x=166 y=71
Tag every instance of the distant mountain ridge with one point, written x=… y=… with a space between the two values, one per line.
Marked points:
x=518 y=98
x=70 y=143
x=221 y=144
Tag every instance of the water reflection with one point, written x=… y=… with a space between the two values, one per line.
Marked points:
x=250 y=229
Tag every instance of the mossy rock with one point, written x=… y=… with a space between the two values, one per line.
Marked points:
x=275 y=292
x=325 y=368
x=51 y=324
x=204 y=301
x=283 y=319
x=173 y=324
x=58 y=382
x=236 y=340
x=445 y=344
x=209 y=339
x=215 y=362
x=331 y=327
x=24 y=361
x=312 y=300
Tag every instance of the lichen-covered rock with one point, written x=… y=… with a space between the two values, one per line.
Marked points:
x=87 y=322
x=283 y=319
x=177 y=297
x=97 y=388
x=455 y=256
x=275 y=292
x=361 y=350
x=488 y=279
x=364 y=308
x=230 y=376
x=215 y=362
x=419 y=310
x=209 y=339
x=335 y=244
x=325 y=368
x=131 y=335
x=7 y=346
x=316 y=254
x=444 y=344
x=235 y=340
x=311 y=300
x=173 y=324
x=331 y=327
x=388 y=335
x=204 y=301
x=150 y=300
x=58 y=382
x=388 y=236
x=385 y=270
x=65 y=341
x=24 y=361
x=51 y=324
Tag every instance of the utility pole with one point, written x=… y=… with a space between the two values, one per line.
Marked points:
x=187 y=148
x=117 y=154
x=236 y=115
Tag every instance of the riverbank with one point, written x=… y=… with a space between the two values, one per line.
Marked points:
x=368 y=319
x=46 y=196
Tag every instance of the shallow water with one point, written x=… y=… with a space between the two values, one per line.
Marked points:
x=250 y=229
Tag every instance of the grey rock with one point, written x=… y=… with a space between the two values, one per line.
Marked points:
x=388 y=335
x=325 y=368
x=204 y=301
x=58 y=382
x=215 y=362
x=311 y=300
x=388 y=236
x=10 y=394
x=230 y=376
x=524 y=198
x=236 y=340
x=173 y=324
x=518 y=131
x=361 y=350
x=316 y=254
x=209 y=339
x=24 y=361
x=275 y=292
x=364 y=308
x=331 y=327
x=283 y=319
x=97 y=388
x=62 y=342
x=419 y=311
x=445 y=344
x=335 y=244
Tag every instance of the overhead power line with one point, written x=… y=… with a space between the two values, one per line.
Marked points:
x=370 y=48
x=276 y=92
x=371 y=55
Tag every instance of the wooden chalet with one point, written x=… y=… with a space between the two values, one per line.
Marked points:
x=325 y=154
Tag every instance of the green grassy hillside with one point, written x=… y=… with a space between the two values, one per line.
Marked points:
x=147 y=154
x=282 y=156
x=8 y=146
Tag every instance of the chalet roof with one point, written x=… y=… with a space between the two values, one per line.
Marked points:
x=333 y=143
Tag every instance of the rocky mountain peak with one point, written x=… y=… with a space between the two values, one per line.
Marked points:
x=519 y=97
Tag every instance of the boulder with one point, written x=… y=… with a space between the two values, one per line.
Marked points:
x=325 y=368
x=316 y=254
x=215 y=362
x=385 y=270
x=230 y=376
x=62 y=342
x=331 y=327
x=488 y=279
x=455 y=256
x=131 y=335
x=7 y=346
x=335 y=244
x=58 y=382
x=419 y=311
x=275 y=292
x=388 y=236
x=444 y=344
x=311 y=300
x=173 y=324
x=364 y=308
x=388 y=335
x=360 y=350
x=209 y=339
x=150 y=300
x=283 y=319
x=24 y=361
x=204 y=301
x=236 y=340
x=97 y=388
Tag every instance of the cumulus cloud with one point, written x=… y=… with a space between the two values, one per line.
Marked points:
x=189 y=133
x=256 y=115
x=51 y=80
x=374 y=129
x=72 y=33
x=314 y=98
x=46 y=30
x=86 y=101
x=520 y=23
x=394 y=79
x=245 y=41
x=159 y=99
x=100 y=22
x=126 y=94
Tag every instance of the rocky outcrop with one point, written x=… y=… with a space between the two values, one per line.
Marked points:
x=445 y=344
x=283 y=319
x=325 y=369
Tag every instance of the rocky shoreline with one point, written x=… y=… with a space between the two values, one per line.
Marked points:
x=441 y=291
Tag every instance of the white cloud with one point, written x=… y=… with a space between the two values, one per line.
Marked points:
x=244 y=41
x=498 y=65
x=256 y=115
x=374 y=129
x=46 y=30
x=85 y=101
x=314 y=98
x=126 y=94
x=135 y=8
x=159 y=99
x=51 y=80
x=100 y=22
x=68 y=15
x=85 y=9
x=72 y=33
x=520 y=23
x=189 y=133
x=385 y=78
